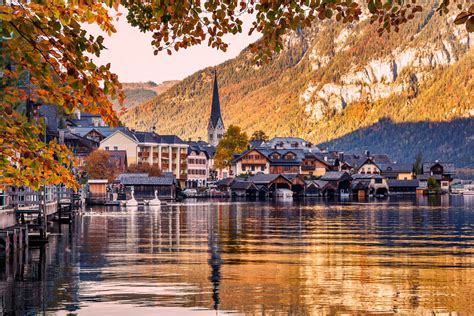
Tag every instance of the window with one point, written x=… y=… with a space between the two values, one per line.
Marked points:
x=252 y=168
x=115 y=148
x=262 y=168
x=275 y=156
x=378 y=180
x=106 y=148
x=243 y=168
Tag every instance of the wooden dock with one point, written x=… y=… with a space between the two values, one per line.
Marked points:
x=33 y=210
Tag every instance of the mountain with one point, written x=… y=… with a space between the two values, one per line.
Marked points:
x=333 y=80
x=137 y=93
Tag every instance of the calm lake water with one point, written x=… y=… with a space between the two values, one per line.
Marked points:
x=412 y=256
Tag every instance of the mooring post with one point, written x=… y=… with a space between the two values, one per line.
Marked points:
x=25 y=236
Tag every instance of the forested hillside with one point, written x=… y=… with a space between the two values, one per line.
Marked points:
x=332 y=80
x=137 y=93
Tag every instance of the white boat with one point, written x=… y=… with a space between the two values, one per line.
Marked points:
x=468 y=189
x=284 y=194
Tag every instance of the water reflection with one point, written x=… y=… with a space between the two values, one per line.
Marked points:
x=305 y=257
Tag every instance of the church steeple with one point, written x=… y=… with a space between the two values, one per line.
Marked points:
x=216 y=105
x=215 y=127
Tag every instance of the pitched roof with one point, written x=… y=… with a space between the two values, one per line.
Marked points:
x=335 y=176
x=256 y=143
x=216 y=105
x=290 y=143
x=361 y=184
x=225 y=182
x=402 y=183
x=448 y=167
x=104 y=131
x=263 y=178
x=396 y=167
x=131 y=175
x=171 y=139
x=369 y=176
x=242 y=185
x=147 y=180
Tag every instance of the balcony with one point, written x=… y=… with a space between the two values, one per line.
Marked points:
x=144 y=154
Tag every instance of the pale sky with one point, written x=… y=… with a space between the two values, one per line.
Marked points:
x=131 y=55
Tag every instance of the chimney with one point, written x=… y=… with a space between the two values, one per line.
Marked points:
x=326 y=158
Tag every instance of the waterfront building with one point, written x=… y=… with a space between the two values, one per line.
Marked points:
x=338 y=182
x=361 y=163
x=369 y=184
x=268 y=161
x=199 y=164
x=215 y=127
x=442 y=172
x=397 y=171
x=167 y=152
x=144 y=187
x=402 y=187
x=315 y=164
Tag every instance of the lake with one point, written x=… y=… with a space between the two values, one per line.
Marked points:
x=411 y=256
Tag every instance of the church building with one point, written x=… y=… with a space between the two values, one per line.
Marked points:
x=215 y=128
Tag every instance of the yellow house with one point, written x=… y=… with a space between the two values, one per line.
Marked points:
x=314 y=166
x=122 y=140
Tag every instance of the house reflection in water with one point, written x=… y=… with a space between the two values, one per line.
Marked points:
x=408 y=256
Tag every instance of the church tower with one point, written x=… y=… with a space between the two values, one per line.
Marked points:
x=215 y=128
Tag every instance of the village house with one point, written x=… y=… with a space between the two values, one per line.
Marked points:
x=268 y=161
x=369 y=184
x=397 y=171
x=167 y=152
x=144 y=186
x=442 y=172
x=199 y=164
x=315 y=164
x=80 y=146
x=251 y=161
x=403 y=187
x=244 y=189
x=338 y=182
x=366 y=163
x=84 y=119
